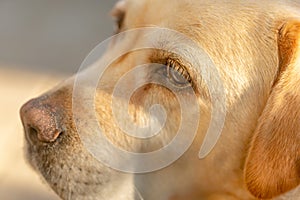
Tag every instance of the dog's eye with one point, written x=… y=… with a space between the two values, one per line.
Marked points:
x=177 y=74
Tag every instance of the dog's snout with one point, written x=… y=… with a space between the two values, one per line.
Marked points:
x=41 y=122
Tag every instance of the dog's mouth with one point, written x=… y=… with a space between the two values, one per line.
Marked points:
x=66 y=166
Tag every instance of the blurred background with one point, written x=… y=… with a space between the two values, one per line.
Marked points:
x=41 y=43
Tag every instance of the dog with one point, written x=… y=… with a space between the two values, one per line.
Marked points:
x=254 y=47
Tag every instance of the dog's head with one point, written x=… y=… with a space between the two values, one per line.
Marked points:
x=203 y=62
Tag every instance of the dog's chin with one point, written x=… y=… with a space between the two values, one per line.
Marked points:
x=73 y=173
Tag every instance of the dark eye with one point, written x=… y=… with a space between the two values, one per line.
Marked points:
x=177 y=74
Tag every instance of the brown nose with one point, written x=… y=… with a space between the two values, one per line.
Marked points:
x=41 y=122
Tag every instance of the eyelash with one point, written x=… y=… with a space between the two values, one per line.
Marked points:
x=179 y=68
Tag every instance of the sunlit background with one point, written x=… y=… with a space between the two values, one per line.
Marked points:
x=41 y=43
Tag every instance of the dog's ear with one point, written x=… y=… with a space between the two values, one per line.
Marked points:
x=273 y=162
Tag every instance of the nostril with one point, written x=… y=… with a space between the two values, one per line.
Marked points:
x=35 y=136
x=32 y=134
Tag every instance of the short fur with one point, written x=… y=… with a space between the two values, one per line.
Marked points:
x=255 y=47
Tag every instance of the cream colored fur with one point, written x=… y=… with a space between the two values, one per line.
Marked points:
x=242 y=39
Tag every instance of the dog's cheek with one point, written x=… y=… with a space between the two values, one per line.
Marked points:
x=70 y=170
x=152 y=94
x=138 y=108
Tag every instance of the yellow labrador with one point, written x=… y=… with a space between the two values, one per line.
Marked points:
x=193 y=56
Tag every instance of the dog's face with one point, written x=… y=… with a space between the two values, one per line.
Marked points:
x=254 y=51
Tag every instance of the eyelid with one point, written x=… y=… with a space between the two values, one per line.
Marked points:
x=181 y=69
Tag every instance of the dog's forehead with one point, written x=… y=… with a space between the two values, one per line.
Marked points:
x=155 y=12
x=190 y=15
x=203 y=21
x=166 y=12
